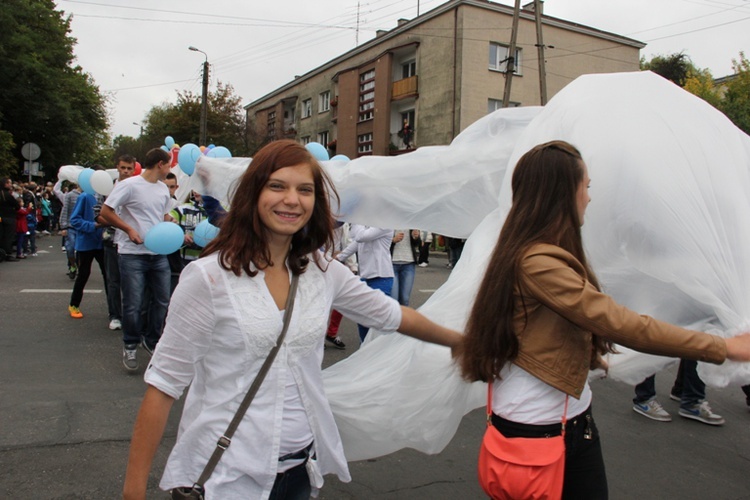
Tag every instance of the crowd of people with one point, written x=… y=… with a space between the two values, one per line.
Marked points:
x=539 y=323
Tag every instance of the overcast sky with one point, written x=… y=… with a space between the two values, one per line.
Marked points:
x=137 y=50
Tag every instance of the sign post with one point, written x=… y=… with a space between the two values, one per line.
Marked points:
x=30 y=152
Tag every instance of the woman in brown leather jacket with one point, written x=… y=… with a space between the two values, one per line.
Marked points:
x=540 y=321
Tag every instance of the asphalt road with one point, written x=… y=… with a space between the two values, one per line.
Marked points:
x=67 y=408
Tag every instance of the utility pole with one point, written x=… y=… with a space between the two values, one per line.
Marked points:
x=540 y=52
x=204 y=99
x=510 y=66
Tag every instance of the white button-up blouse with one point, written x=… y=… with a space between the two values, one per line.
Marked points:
x=219 y=330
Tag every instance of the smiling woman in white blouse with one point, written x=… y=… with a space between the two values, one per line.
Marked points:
x=224 y=318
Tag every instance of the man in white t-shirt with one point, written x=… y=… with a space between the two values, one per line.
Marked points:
x=141 y=202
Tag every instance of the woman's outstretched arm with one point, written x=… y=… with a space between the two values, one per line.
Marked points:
x=147 y=434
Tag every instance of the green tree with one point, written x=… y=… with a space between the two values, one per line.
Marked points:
x=674 y=67
x=225 y=120
x=45 y=98
x=736 y=101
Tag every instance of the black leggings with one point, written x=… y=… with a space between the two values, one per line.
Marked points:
x=84 y=260
x=585 y=476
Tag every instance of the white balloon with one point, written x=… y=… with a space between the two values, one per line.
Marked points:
x=102 y=182
x=69 y=173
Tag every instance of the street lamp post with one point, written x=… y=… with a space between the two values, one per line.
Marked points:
x=204 y=98
x=139 y=125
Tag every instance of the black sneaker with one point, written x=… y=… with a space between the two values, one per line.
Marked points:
x=337 y=342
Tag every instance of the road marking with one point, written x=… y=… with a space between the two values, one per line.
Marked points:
x=428 y=291
x=54 y=290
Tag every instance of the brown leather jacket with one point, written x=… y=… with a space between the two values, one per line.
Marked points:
x=557 y=310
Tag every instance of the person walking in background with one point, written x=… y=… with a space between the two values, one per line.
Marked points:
x=88 y=249
x=540 y=322
x=142 y=202
x=373 y=248
x=424 y=248
x=68 y=203
x=404 y=253
x=125 y=170
x=340 y=241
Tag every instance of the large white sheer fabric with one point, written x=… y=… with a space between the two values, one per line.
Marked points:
x=667 y=232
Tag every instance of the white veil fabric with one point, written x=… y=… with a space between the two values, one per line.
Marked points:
x=667 y=233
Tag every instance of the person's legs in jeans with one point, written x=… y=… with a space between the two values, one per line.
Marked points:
x=112 y=272
x=693 y=388
x=645 y=390
x=20 y=240
x=383 y=284
x=406 y=283
x=158 y=278
x=70 y=246
x=32 y=241
x=132 y=282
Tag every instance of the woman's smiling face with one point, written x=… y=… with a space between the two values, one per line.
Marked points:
x=287 y=200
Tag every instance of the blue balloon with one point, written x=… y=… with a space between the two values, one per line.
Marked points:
x=188 y=155
x=204 y=232
x=340 y=158
x=84 y=180
x=318 y=151
x=164 y=238
x=169 y=142
x=165 y=148
x=219 y=152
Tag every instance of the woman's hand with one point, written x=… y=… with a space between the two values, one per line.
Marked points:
x=738 y=348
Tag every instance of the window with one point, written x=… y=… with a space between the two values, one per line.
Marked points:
x=323 y=138
x=307 y=108
x=367 y=96
x=271 y=124
x=495 y=104
x=364 y=143
x=408 y=69
x=305 y=139
x=499 y=58
x=324 y=102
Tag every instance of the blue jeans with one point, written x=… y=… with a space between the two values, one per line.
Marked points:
x=137 y=273
x=384 y=285
x=687 y=385
x=70 y=246
x=403 y=282
x=112 y=271
x=293 y=484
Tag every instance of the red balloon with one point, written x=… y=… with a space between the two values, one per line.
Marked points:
x=175 y=151
x=138 y=169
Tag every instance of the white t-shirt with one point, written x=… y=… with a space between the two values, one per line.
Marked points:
x=521 y=397
x=142 y=205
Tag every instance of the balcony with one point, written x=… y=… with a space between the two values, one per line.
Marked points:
x=405 y=88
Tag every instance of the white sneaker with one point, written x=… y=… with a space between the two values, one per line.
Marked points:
x=115 y=324
x=653 y=410
x=423 y=264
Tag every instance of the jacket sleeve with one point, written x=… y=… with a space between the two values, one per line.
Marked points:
x=555 y=282
x=78 y=218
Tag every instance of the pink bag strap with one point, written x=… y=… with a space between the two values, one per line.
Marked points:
x=489 y=408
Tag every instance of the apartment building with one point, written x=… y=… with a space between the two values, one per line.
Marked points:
x=430 y=77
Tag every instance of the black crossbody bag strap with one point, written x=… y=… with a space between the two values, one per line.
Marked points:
x=226 y=439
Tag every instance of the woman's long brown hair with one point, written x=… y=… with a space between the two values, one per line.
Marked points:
x=544 y=210
x=242 y=238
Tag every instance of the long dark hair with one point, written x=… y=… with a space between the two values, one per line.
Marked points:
x=243 y=239
x=544 y=210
